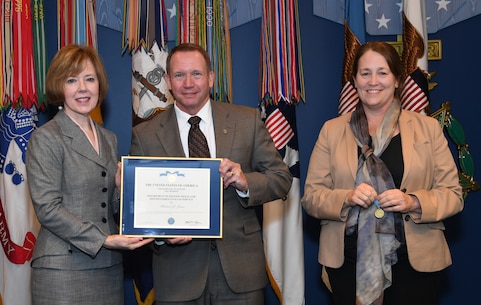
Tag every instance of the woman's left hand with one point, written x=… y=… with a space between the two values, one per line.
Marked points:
x=395 y=200
x=124 y=242
x=118 y=174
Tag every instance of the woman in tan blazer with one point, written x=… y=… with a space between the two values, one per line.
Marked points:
x=381 y=180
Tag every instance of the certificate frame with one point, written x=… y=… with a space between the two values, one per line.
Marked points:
x=158 y=197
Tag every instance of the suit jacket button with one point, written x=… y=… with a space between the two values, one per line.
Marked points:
x=213 y=245
x=104 y=190
x=407 y=218
x=104 y=220
x=103 y=204
x=104 y=174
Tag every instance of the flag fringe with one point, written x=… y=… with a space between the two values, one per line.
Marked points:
x=149 y=299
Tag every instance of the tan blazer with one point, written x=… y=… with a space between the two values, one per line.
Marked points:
x=429 y=173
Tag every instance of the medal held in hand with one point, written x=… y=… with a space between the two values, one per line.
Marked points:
x=379 y=213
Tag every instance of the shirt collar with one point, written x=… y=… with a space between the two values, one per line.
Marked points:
x=205 y=113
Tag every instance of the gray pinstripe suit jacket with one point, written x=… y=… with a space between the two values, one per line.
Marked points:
x=73 y=193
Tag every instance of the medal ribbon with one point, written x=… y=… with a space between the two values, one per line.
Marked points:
x=192 y=23
x=40 y=51
x=150 y=31
x=24 y=85
x=202 y=22
x=80 y=22
x=2 y=69
x=7 y=52
x=281 y=61
x=209 y=20
x=139 y=23
x=163 y=25
x=91 y=24
x=76 y=22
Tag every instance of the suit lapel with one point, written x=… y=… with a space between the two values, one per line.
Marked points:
x=168 y=134
x=407 y=143
x=80 y=143
x=352 y=152
x=224 y=130
x=104 y=147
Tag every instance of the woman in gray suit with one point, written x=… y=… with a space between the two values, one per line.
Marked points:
x=73 y=175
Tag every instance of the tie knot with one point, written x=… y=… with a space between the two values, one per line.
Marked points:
x=194 y=120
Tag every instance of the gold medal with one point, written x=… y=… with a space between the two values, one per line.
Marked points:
x=379 y=213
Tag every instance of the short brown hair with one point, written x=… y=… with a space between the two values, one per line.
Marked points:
x=70 y=61
x=188 y=47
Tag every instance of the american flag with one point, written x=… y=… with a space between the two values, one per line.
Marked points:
x=354 y=36
x=279 y=128
x=282 y=219
x=415 y=94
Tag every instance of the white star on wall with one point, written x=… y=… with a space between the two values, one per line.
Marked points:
x=172 y=11
x=367 y=6
x=439 y=13
x=443 y=4
x=383 y=22
x=400 y=4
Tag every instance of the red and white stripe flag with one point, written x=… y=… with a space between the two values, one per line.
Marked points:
x=282 y=219
x=354 y=37
x=279 y=129
x=415 y=95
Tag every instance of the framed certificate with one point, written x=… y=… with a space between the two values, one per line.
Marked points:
x=171 y=197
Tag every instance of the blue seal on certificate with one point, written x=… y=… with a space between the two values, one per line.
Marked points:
x=171 y=220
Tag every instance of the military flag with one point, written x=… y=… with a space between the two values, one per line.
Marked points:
x=202 y=22
x=282 y=219
x=149 y=89
x=282 y=88
x=23 y=63
x=18 y=223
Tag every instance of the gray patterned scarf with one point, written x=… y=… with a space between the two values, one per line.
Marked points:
x=376 y=242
